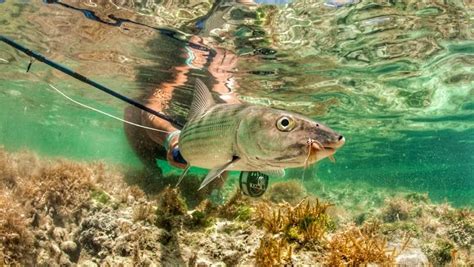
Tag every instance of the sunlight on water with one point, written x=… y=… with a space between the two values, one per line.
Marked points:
x=395 y=77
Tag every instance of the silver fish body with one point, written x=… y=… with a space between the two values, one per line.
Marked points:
x=245 y=137
x=210 y=140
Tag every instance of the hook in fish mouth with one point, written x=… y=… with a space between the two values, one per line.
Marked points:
x=318 y=151
x=315 y=144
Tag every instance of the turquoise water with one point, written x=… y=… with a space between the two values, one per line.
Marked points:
x=396 y=78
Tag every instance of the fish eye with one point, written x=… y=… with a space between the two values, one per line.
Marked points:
x=285 y=124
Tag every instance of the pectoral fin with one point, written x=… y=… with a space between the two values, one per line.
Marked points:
x=216 y=172
x=275 y=173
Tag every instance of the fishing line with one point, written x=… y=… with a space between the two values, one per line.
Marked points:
x=86 y=80
x=89 y=107
x=95 y=109
x=103 y=112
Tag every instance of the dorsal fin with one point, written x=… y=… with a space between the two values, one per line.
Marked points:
x=202 y=100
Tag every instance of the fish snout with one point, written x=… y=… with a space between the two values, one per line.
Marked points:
x=340 y=141
x=335 y=142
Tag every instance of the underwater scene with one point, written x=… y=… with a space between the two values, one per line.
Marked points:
x=237 y=133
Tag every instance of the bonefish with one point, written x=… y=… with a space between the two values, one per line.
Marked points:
x=246 y=137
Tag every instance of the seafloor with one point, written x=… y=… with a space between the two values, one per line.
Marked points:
x=59 y=212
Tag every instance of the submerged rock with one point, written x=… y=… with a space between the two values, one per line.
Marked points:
x=69 y=247
x=97 y=234
x=412 y=257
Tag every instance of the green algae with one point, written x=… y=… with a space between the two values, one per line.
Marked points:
x=203 y=216
x=100 y=196
x=170 y=209
x=440 y=252
x=393 y=228
x=244 y=213
x=303 y=223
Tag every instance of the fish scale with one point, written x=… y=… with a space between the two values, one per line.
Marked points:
x=199 y=126
x=206 y=128
x=211 y=137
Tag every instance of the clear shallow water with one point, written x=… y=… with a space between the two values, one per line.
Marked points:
x=396 y=79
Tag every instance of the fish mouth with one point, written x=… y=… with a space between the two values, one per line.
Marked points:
x=326 y=150
x=318 y=151
x=335 y=145
x=329 y=149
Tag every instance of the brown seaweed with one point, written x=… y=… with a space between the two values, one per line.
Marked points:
x=359 y=246
x=306 y=222
x=273 y=252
